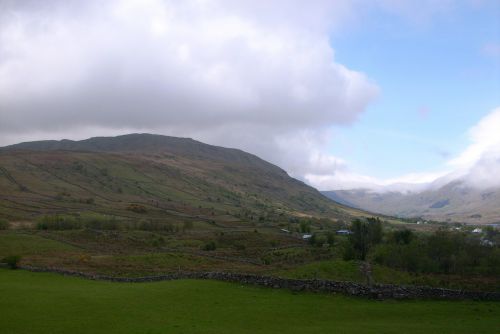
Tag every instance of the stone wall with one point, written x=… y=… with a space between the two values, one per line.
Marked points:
x=377 y=291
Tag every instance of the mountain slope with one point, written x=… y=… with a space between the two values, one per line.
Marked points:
x=170 y=178
x=453 y=202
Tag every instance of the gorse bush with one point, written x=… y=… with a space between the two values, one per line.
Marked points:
x=4 y=224
x=12 y=261
x=137 y=208
x=210 y=246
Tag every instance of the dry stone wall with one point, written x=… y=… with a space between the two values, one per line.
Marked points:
x=377 y=291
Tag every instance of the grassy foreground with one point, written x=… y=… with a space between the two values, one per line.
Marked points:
x=48 y=303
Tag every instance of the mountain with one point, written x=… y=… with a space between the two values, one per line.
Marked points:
x=170 y=178
x=453 y=202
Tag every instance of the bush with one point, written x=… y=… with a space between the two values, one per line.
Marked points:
x=187 y=225
x=317 y=240
x=4 y=225
x=305 y=226
x=62 y=222
x=330 y=238
x=137 y=208
x=58 y=222
x=348 y=253
x=98 y=221
x=442 y=252
x=210 y=246
x=403 y=237
x=12 y=261
x=150 y=225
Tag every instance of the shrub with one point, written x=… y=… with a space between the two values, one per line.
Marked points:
x=348 y=253
x=442 y=252
x=239 y=246
x=57 y=222
x=98 y=221
x=12 y=261
x=4 y=224
x=62 y=222
x=330 y=238
x=150 y=225
x=88 y=200
x=402 y=237
x=137 y=208
x=158 y=242
x=187 y=225
x=210 y=246
x=305 y=227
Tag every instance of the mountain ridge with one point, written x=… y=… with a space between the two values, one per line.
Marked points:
x=169 y=176
x=143 y=142
x=454 y=201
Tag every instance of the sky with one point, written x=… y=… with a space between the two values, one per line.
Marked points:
x=385 y=94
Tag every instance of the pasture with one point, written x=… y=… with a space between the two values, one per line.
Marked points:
x=49 y=303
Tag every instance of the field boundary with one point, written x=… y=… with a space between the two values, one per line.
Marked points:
x=376 y=291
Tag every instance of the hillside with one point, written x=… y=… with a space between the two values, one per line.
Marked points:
x=453 y=202
x=168 y=178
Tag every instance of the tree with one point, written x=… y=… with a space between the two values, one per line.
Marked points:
x=330 y=238
x=12 y=261
x=305 y=226
x=403 y=237
x=365 y=234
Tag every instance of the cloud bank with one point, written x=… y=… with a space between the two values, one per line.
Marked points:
x=255 y=75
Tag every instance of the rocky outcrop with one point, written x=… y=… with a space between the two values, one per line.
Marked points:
x=377 y=291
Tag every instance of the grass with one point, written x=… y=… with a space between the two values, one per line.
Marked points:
x=338 y=270
x=186 y=187
x=329 y=269
x=157 y=264
x=14 y=243
x=48 y=303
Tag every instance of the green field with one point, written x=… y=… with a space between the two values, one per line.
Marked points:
x=48 y=303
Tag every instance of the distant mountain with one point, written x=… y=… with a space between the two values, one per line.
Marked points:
x=453 y=202
x=172 y=178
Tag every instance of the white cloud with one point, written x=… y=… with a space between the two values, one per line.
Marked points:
x=485 y=138
x=261 y=76
x=347 y=179
x=257 y=75
x=479 y=163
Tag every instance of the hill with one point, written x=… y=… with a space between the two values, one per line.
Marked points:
x=168 y=178
x=453 y=202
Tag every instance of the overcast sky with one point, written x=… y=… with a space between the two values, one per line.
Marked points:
x=339 y=93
